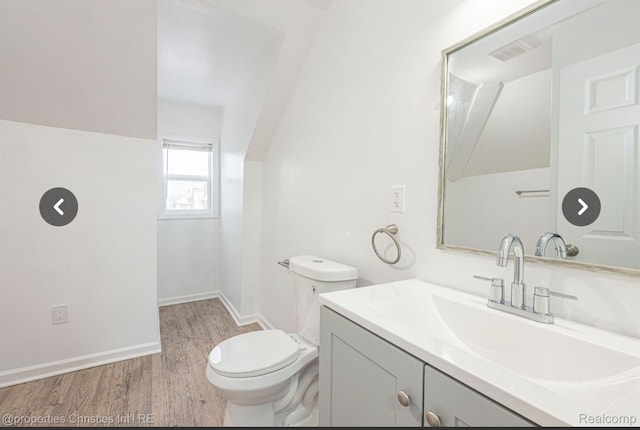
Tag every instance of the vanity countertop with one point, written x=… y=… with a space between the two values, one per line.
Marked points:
x=553 y=374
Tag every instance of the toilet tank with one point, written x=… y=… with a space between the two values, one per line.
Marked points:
x=313 y=276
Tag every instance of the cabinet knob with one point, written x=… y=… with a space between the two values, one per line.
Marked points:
x=432 y=419
x=404 y=398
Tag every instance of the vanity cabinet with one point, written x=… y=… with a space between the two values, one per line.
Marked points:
x=453 y=404
x=366 y=381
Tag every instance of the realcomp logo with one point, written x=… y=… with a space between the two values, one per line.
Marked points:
x=603 y=419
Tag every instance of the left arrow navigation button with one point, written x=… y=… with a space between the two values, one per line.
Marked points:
x=58 y=206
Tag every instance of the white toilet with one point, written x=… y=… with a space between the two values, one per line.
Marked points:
x=270 y=378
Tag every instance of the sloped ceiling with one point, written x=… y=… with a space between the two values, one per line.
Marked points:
x=208 y=48
x=204 y=52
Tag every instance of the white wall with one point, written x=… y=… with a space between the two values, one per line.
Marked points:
x=285 y=30
x=364 y=116
x=102 y=265
x=251 y=238
x=188 y=249
x=490 y=201
x=92 y=87
x=357 y=123
x=240 y=117
x=517 y=134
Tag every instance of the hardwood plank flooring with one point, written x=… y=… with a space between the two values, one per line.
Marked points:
x=165 y=389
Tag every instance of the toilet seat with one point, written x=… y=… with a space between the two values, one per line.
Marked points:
x=254 y=354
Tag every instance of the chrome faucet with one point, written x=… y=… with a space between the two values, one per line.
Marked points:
x=540 y=311
x=511 y=241
x=558 y=241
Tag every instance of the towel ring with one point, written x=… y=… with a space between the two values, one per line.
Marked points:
x=391 y=230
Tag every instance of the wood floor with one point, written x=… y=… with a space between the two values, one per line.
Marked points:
x=165 y=389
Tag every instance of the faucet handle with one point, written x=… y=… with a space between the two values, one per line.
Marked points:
x=497 y=288
x=545 y=292
x=541 y=303
x=486 y=278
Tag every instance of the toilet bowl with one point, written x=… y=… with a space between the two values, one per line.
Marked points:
x=262 y=378
x=269 y=377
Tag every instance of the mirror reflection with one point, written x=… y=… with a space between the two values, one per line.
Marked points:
x=536 y=108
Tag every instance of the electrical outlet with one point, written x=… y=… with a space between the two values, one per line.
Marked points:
x=59 y=314
x=397 y=198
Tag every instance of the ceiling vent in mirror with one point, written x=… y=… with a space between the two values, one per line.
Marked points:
x=513 y=49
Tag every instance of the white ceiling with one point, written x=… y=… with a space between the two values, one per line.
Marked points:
x=473 y=63
x=210 y=51
x=206 y=53
x=207 y=48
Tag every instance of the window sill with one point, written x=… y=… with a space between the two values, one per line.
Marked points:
x=183 y=216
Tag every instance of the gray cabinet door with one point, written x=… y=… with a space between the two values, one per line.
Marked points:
x=458 y=405
x=361 y=375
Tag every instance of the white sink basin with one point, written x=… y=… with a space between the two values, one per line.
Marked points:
x=532 y=349
x=561 y=370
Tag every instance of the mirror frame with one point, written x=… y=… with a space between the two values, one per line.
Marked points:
x=532 y=8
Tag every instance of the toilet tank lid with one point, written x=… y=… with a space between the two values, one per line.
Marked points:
x=322 y=269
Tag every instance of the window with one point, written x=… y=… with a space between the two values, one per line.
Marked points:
x=189 y=179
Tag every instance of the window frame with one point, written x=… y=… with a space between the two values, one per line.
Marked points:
x=213 y=149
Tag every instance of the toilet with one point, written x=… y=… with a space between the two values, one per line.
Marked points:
x=270 y=378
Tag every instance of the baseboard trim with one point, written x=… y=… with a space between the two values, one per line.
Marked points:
x=45 y=370
x=187 y=298
x=240 y=320
x=246 y=319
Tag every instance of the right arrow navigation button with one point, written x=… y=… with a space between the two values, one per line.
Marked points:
x=584 y=207
x=581 y=206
